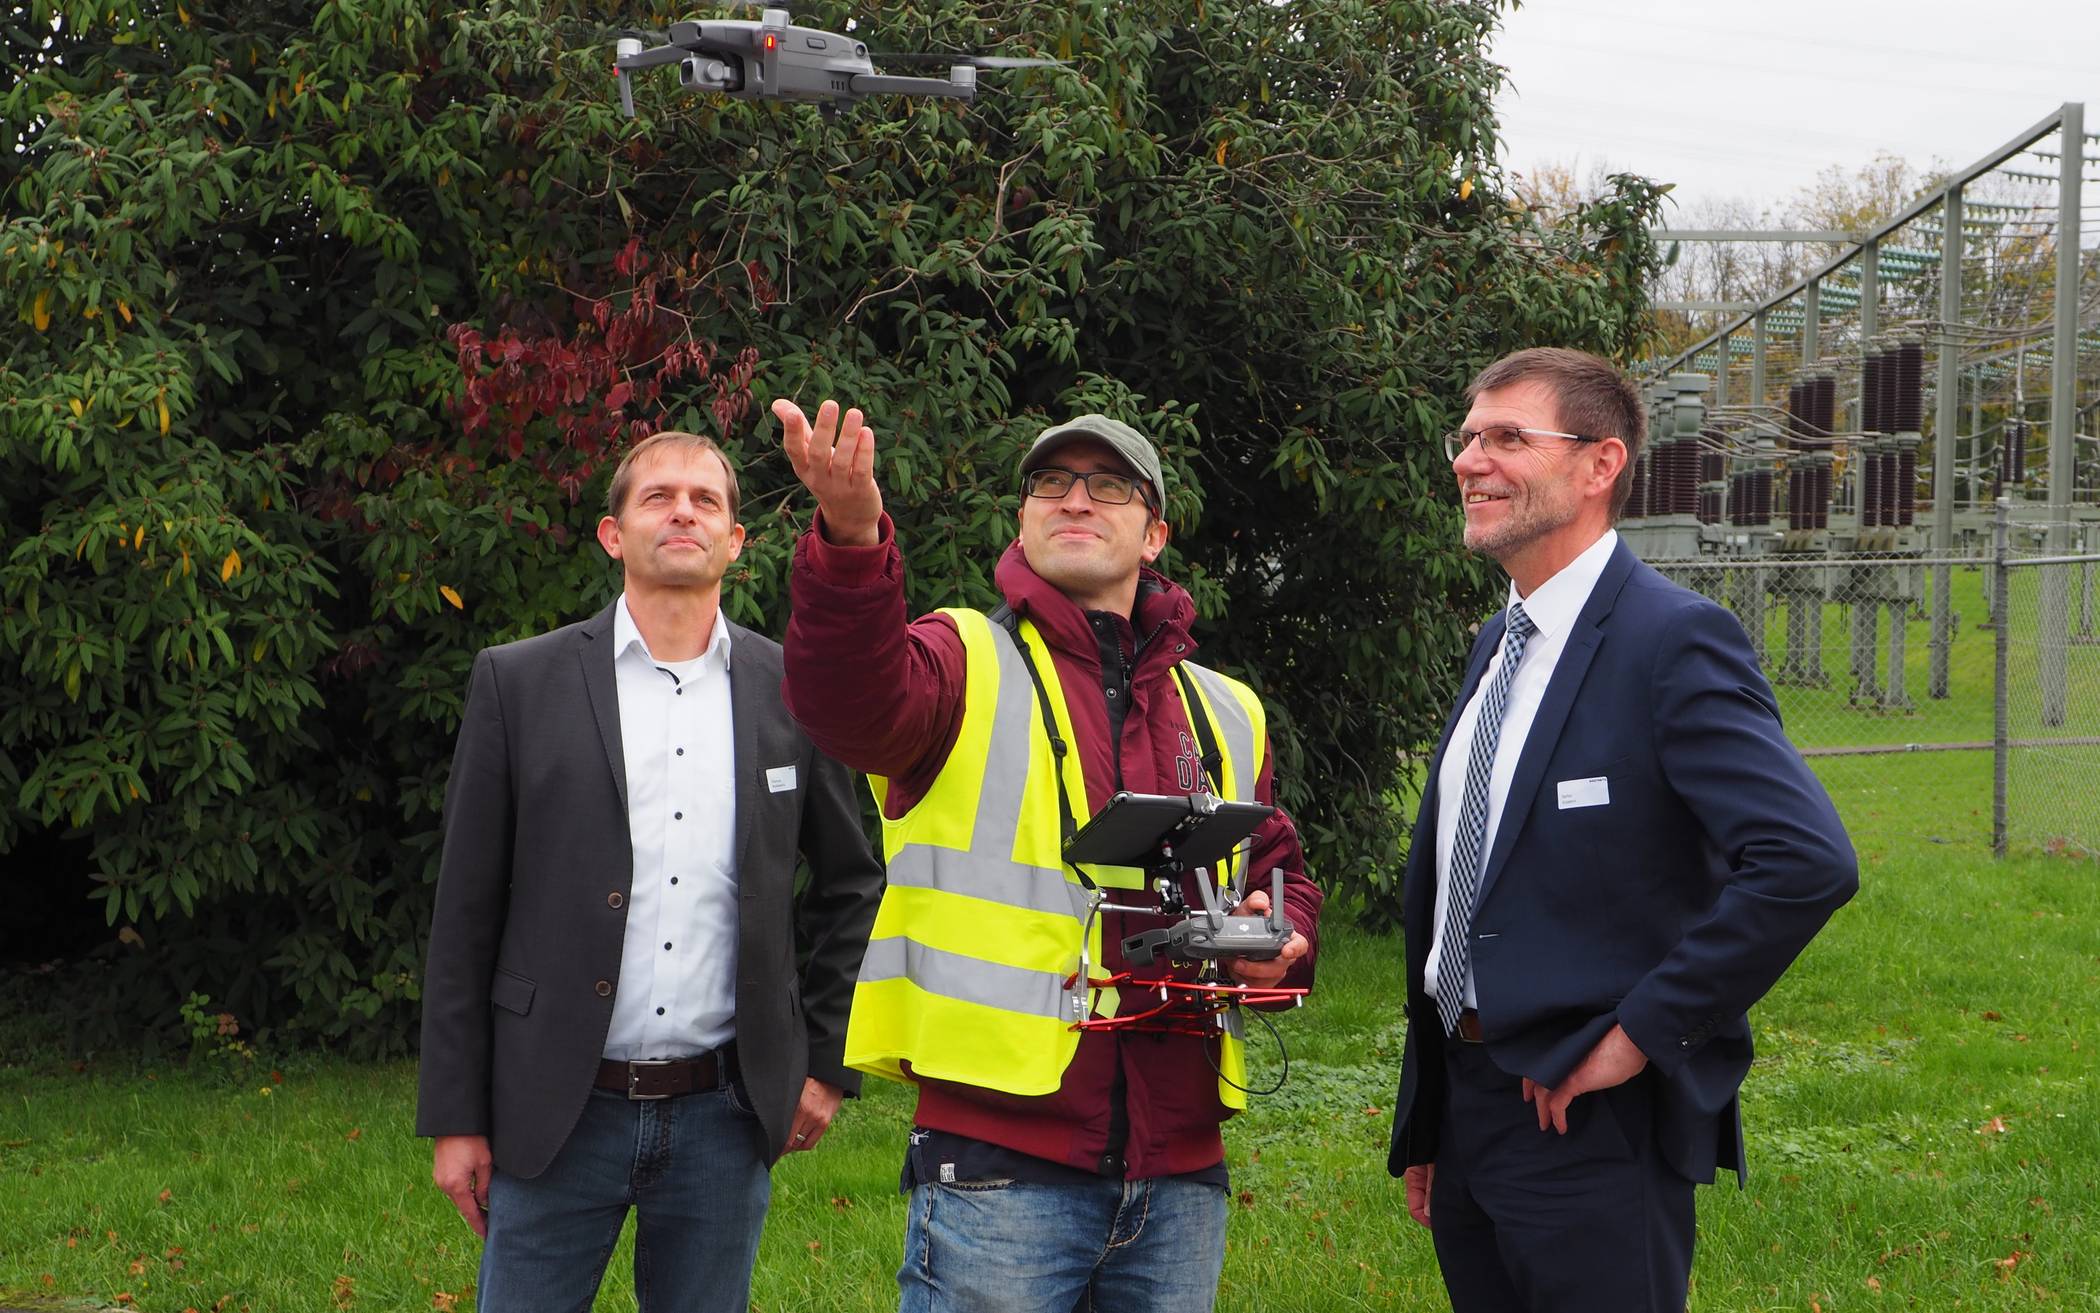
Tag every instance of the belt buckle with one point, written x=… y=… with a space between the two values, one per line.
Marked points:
x=634 y=1075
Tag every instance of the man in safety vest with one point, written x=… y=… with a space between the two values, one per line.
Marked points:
x=1049 y=1167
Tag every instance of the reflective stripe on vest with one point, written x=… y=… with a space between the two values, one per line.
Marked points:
x=979 y=930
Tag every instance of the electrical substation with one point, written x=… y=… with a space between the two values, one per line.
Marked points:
x=1920 y=407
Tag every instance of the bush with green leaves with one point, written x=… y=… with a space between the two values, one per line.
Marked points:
x=331 y=318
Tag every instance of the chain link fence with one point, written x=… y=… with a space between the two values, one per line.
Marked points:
x=2047 y=659
x=1991 y=702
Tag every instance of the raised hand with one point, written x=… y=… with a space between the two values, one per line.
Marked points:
x=836 y=461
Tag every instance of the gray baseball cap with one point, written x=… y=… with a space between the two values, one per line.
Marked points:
x=1133 y=446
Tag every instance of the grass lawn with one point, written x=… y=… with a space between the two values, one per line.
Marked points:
x=1921 y=1122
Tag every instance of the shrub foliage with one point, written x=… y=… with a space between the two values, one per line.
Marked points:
x=330 y=316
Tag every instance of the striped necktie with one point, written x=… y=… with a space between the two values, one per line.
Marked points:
x=1453 y=958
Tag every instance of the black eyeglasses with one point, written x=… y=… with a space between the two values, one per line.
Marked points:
x=1104 y=486
x=1504 y=439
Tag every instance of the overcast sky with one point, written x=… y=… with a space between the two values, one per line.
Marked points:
x=1751 y=100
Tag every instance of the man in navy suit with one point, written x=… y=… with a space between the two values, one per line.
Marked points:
x=1618 y=852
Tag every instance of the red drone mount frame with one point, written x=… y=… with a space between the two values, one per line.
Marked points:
x=1186 y=1007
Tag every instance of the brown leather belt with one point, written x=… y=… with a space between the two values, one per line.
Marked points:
x=1469 y=1028
x=666 y=1077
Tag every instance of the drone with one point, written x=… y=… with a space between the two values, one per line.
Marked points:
x=772 y=59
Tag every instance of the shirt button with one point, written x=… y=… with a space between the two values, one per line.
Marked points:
x=677 y=816
x=667 y=946
x=674 y=879
x=659 y=1012
x=1111 y=692
x=681 y=752
x=604 y=989
x=614 y=900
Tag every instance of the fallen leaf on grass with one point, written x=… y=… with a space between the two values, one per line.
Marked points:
x=345 y=1291
x=2009 y=1262
x=1874 y=1284
x=356 y=1133
x=165 y=1195
x=1992 y=1016
x=442 y=1301
x=840 y=1203
x=1995 y=1126
x=137 y=1267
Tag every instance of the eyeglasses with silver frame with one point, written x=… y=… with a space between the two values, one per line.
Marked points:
x=1504 y=439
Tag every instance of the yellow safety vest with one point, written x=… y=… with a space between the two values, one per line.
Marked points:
x=981 y=923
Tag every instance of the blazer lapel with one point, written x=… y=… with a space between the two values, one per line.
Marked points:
x=1568 y=674
x=746 y=674
x=596 y=653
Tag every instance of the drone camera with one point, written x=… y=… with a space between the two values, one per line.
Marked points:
x=710 y=73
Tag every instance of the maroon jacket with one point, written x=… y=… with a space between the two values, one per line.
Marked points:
x=886 y=697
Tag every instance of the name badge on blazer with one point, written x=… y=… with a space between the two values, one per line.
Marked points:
x=780 y=779
x=1592 y=792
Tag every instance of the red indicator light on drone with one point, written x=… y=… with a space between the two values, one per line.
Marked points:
x=772 y=42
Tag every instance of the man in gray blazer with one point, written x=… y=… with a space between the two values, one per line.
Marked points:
x=613 y=1014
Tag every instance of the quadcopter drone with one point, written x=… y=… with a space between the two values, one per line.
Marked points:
x=772 y=59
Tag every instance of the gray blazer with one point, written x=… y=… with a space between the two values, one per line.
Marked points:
x=533 y=885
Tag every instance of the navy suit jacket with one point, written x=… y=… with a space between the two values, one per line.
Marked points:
x=1671 y=908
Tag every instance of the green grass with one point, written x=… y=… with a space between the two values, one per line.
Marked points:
x=1921 y=1125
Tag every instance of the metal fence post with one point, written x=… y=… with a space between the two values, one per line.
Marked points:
x=1944 y=425
x=2001 y=701
x=2063 y=421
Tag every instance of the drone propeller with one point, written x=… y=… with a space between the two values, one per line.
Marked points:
x=974 y=61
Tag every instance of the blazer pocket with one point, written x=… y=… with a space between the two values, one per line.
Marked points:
x=511 y=992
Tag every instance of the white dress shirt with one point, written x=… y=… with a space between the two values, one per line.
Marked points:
x=677 y=993
x=1553 y=607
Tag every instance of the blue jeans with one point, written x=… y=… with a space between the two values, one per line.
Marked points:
x=1153 y=1246
x=694 y=1169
